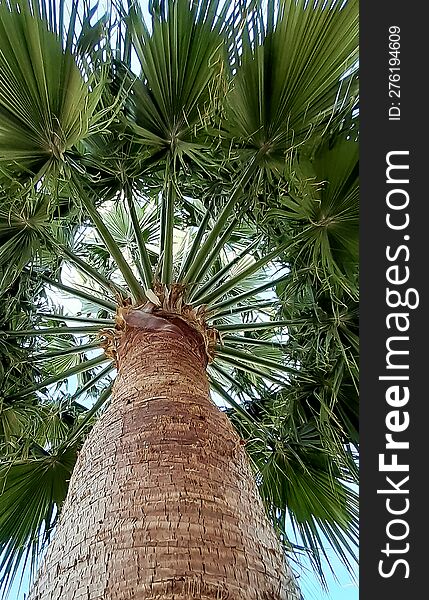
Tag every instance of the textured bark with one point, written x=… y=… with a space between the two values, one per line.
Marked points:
x=162 y=503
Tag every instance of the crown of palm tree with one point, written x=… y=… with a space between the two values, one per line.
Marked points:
x=201 y=187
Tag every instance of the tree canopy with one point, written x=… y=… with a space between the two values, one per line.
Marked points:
x=201 y=157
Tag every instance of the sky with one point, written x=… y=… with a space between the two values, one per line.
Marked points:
x=343 y=589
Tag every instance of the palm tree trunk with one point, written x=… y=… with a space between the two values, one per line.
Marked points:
x=162 y=503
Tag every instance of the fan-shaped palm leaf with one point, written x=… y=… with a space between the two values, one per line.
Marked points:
x=289 y=82
x=46 y=103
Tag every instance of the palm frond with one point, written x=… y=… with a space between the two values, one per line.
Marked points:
x=289 y=82
x=47 y=104
x=181 y=60
x=32 y=492
x=306 y=488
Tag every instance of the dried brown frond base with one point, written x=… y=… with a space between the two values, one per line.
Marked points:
x=166 y=312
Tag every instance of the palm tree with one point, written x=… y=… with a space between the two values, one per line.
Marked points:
x=154 y=202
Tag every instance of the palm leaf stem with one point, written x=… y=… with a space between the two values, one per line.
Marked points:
x=143 y=265
x=56 y=317
x=167 y=226
x=257 y=307
x=89 y=384
x=229 y=302
x=77 y=432
x=135 y=288
x=109 y=285
x=195 y=245
x=64 y=352
x=241 y=339
x=259 y=361
x=214 y=254
x=110 y=306
x=81 y=368
x=244 y=366
x=233 y=403
x=217 y=277
x=228 y=327
x=46 y=331
x=206 y=247
x=234 y=281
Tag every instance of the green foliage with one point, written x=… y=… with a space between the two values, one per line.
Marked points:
x=46 y=103
x=286 y=87
x=228 y=164
x=42 y=479
x=181 y=59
